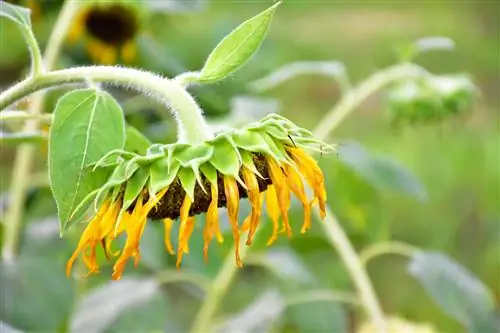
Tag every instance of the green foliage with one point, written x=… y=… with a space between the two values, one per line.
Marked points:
x=136 y=142
x=87 y=124
x=456 y=291
x=382 y=172
x=237 y=47
x=18 y=14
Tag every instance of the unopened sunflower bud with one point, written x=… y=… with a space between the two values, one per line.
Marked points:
x=430 y=99
x=265 y=160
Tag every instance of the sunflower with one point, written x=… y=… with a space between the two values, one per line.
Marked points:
x=265 y=161
x=109 y=30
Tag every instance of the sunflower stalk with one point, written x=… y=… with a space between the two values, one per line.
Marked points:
x=26 y=152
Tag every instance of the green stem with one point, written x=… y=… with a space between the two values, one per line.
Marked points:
x=332 y=227
x=340 y=242
x=26 y=152
x=192 y=126
x=36 y=55
x=322 y=295
x=375 y=250
x=219 y=287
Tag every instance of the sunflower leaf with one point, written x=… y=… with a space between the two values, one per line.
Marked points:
x=93 y=123
x=188 y=181
x=237 y=47
x=18 y=14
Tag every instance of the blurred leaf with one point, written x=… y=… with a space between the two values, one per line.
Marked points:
x=380 y=171
x=103 y=305
x=455 y=290
x=150 y=316
x=237 y=47
x=287 y=266
x=136 y=142
x=18 y=14
x=316 y=317
x=36 y=295
x=260 y=316
x=6 y=328
x=87 y=125
x=169 y=6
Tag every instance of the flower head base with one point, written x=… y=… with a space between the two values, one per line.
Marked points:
x=110 y=29
x=264 y=161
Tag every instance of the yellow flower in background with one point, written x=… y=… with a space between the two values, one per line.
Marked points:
x=264 y=162
x=109 y=31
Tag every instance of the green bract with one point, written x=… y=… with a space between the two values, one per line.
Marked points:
x=192 y=165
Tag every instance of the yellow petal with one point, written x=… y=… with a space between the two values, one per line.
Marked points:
x=283 y=192
x=183 y=228
x=188 y=233
x=91 y=233
x=254 y=198
x=313 y=174
x=168 y=223
x=233 y=204
x=273 y=211
x=135 y=228
x=297 y=187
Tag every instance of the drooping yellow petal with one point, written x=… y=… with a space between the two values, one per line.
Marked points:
x=128 y=52
x=183 y=229
x=135 y=228
x=212 y=221
x=282 y=191
x=188 y=233
x=168 y=223
x=273 y=211
x=297 y=187
x=233 y=204
x=89 y=236
x=254 y=198
x=311 y=171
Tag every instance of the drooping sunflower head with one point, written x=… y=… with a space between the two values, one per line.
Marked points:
x=265 y=161
x=109 y=30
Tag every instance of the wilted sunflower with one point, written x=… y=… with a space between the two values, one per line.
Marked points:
x=264 y=161
x=109 y=30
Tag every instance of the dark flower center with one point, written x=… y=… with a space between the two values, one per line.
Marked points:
x=170 y=205
x=114 y=25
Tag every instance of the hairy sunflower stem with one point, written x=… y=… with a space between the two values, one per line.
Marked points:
x=25 y=152
x=377 y=249
x=35 y=54
x=192 y=126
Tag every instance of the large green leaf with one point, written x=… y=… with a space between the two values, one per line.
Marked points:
x=18 y=14
x=457 y=292
x=87 y=124
x=237 y=47
x=381 y=172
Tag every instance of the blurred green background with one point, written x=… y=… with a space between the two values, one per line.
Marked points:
x=456 y=160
